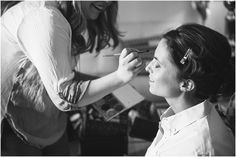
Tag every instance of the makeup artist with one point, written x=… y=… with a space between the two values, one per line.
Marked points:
x=40 y=40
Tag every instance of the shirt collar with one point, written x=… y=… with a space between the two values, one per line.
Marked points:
x=172 y=123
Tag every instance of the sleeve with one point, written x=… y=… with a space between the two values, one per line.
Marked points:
x=45 y=37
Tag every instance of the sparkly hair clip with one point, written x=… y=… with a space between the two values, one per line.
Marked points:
x=183 y=60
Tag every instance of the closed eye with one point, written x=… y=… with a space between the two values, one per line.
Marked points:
x=156 y=63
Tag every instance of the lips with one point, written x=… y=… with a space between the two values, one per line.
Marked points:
x=151 y=81
x=100 y=7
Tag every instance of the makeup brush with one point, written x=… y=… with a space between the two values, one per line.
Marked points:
x=118 y=54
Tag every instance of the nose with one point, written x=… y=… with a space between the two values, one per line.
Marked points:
x=148 y=67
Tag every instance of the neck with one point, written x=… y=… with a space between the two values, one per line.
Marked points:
x=182 y=102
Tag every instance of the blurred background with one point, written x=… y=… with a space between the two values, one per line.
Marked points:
x=141 y=19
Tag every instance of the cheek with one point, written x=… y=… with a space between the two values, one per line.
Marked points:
x=164 y=85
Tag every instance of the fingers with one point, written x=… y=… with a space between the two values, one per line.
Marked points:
x=137 y=65
x=131 y=57
x=135 y=62
x=139 y=68
x=124 y=53
x=130 y=64
x=127 y=51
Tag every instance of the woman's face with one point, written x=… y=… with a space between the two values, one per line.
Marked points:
x=163 y=78
x=92 y=9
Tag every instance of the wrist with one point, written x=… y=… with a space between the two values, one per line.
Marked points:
x=119 y=78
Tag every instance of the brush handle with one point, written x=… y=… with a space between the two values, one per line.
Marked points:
x=118 y=54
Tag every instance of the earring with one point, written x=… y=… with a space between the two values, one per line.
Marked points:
x=183 y=87
x=187 y=85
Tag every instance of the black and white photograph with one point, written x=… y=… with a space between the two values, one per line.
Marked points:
x=117 y=78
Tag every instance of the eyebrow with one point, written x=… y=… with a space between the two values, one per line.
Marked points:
x=157 y=60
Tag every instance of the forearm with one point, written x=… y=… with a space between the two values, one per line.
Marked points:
x=77 y=92
x=126 y=71
x=101 y=87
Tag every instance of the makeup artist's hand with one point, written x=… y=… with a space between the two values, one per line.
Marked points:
x=130 y=64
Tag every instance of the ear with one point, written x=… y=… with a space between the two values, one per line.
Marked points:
x=187 y=85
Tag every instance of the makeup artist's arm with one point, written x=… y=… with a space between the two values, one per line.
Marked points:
x=105 y=85
x=48 y=48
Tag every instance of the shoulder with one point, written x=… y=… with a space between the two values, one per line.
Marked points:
x=222 y=138
x=46 y=23
x=47 y=17
x=199 y=137
x=212 y=136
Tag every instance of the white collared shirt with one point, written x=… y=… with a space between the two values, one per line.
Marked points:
x=196 y=131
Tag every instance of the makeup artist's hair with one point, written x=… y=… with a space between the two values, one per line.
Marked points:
x=100 y=31
x=208 y=64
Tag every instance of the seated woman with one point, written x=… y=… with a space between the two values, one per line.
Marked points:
x=190 y=64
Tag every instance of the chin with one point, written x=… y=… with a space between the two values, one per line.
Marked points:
x=152 y=90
